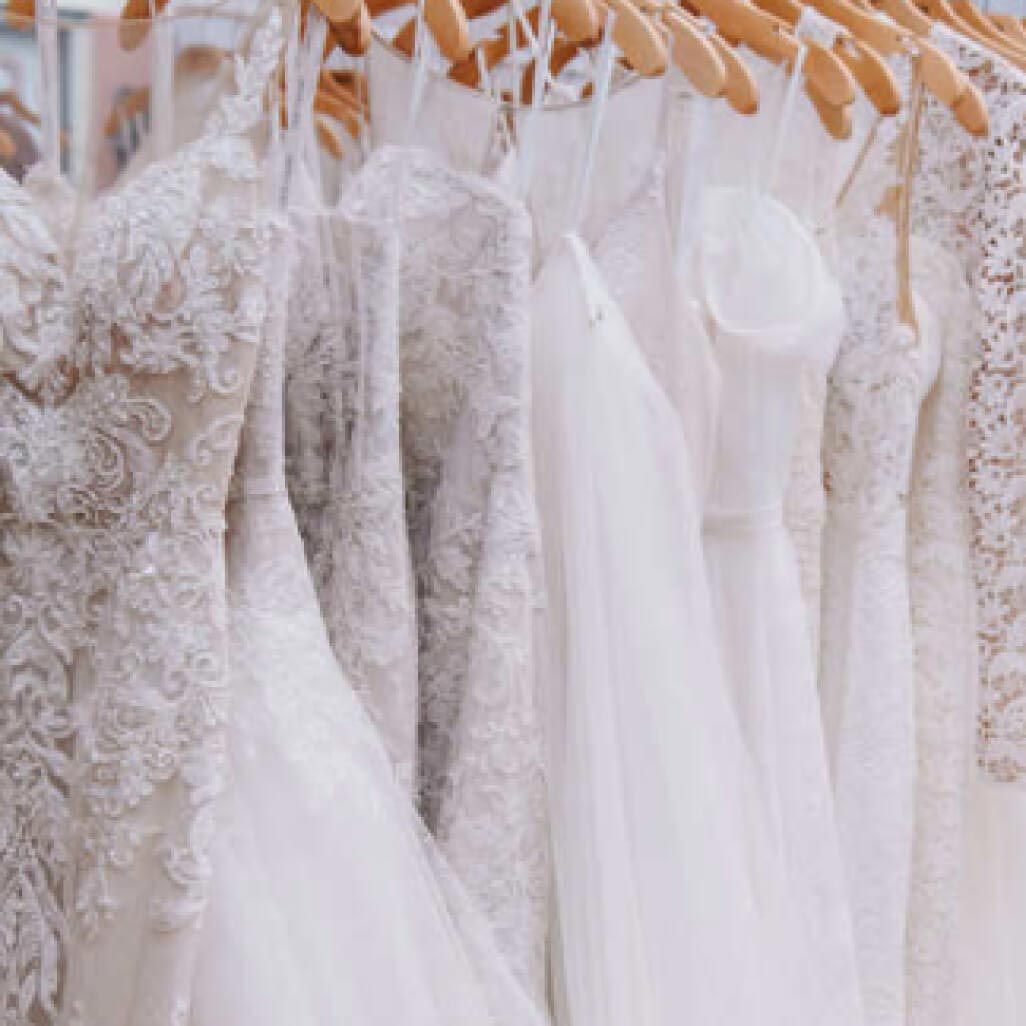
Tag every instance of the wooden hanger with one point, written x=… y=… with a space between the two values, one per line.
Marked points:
x=945 y=12
x=20 y=13
x=742 y=90
x=838 y=121
x=1009 y=26
x=637 y=37
x=940 y=75
x=11 y=98
x=979 y=22
x=869 y=70
x=946 y=82
x=446 y=20
x=905 y=14
x=694 y=53
x=771 y=39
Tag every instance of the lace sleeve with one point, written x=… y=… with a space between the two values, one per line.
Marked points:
x=971 y=199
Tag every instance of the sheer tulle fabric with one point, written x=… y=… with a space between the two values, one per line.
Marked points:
x=656 y=875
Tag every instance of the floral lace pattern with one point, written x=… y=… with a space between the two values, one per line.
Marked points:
x=464 y=338
x=344 y=465
x=867 y=665
x=971 y=203
x=128 y=354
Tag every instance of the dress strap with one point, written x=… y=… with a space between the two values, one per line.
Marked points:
x=594 y=295
x=243 y=111
x=162 y=91
x=603 y=80
x=49 y=85
x=541 y=47
x=302 y=63
x=695 y=164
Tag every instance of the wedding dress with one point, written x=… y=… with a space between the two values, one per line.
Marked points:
x=967 y=962
x=130 y=339
x=652 y=869
x=883 y=372
x=722 y=147
x=770 y=313
x=343 y=460
x=206 y=828
x=327 y=897
x=461 y=260
x=942 y=602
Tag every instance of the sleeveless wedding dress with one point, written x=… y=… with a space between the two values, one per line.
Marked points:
x=770 y=315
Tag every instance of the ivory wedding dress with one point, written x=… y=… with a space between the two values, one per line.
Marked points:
x=327 y=898
x=769 y=315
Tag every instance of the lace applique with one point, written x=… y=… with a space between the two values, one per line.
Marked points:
x=464 y=345
x=139 y=348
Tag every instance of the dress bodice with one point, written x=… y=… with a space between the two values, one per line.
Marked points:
x=769 y=315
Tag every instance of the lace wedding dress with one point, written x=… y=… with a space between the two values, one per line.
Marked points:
x=343 y=460
x=327 y=898
x=769 y=315
x=884 y=370
x=461 y=257
x=131 y=344
x=966 y=921
x=942 y=603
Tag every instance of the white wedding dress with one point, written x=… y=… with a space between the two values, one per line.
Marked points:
x=968 y=916
x=343 y=459
x=328 y=898
x=773 y=305
x=653 y=869
x=200 y=824
x=883 y=372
